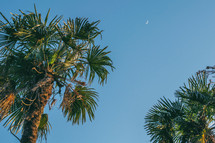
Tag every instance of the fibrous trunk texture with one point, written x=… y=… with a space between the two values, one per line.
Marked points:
x=35 y=111
x=212 y=139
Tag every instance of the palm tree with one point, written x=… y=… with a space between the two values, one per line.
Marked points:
x=188 y=119
x=39 y=59
x=199 y=99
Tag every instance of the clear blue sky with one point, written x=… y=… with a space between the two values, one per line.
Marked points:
x=152 y=60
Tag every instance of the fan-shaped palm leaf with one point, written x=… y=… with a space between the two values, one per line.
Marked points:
x=160 y=123
x=97 y=61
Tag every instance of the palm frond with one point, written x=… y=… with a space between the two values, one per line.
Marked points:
x=159 y=120
x=15 y=117
x=79 y=102
x=81 y=29
x=97 y=64
x=197 y=91
x=44 y=127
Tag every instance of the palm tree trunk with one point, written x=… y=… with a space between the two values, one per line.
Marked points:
x=212 y=139
x=35 y=111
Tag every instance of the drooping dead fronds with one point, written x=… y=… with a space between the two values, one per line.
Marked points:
x=68 y=97
x=78 y=103
x=5 y=104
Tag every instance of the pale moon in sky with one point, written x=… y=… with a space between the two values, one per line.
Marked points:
x=147 y=22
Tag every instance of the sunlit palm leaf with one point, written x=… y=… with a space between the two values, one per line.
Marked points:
x=44 y=127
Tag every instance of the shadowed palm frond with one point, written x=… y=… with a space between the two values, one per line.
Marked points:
x=198 y=96
x=190 y=119
x=160 y=123
x=198 y=89
x=80 y=29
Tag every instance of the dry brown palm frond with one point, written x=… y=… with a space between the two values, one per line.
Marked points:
x=70 y=95
x=5 y=104
x=52 y=103
x=78 y=102
x=80 y=82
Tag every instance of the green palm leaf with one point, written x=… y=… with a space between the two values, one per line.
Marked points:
x=44 y=127
x=97 y=61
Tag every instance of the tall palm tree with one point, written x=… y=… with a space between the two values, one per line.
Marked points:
x=42 y=59
x=189 y=119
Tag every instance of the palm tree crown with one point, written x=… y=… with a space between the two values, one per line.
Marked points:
x=42 y=57
x=188 y=119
